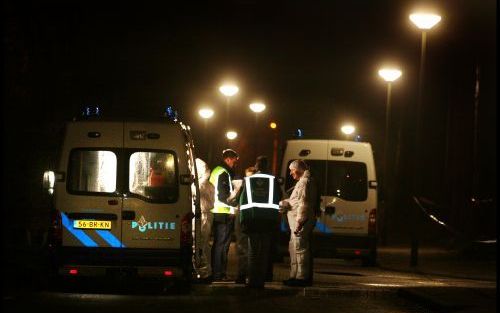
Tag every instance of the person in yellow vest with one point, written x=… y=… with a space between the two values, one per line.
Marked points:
x=223 y=213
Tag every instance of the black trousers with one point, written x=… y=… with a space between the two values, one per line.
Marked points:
x=222 y=228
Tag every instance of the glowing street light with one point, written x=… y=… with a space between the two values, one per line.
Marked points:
x=348 y=129
x=425 y=20
x=206 y=113
x=228 y=90
x=231 y=135
x=257 y=107
x=273 y=125
x=390 y=74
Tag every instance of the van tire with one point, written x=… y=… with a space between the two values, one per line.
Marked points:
x=370 y=260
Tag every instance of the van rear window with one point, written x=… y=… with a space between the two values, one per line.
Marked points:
x=92 y=171
x=153 y=176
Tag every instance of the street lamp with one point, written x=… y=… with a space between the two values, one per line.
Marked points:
x=228 y=90
x=206 y=114
x=389 y=75
x=424 y=21
x=348 y=129
x=257 y=107
x=274 y=127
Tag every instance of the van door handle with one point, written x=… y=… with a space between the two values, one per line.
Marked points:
x=128 y=215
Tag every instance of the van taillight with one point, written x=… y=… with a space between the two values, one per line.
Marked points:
x=186 y=234
x=55 y=229
x=372 y=221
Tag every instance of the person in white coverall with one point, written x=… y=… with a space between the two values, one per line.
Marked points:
x=301 y=218
x=206 y=203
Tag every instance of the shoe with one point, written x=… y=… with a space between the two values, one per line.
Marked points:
x=204 y=280
x=288 y=282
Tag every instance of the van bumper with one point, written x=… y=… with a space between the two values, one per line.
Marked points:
x=329 y=245
x=122 y=262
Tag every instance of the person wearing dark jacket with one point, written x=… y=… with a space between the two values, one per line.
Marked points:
x=223 y=213
x=259 y=218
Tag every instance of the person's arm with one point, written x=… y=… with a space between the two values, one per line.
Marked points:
x=301 y=203
x=223 y=188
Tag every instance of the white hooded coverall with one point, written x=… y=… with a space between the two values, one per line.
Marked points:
x=206 y=202
x=302 y=201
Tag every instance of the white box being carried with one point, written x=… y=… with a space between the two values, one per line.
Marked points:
x=345 y=175
x=124 y=201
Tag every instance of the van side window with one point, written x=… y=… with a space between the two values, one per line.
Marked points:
x=92 y=171
x=153 y=175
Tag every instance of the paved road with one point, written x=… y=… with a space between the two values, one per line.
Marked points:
x=340 y=286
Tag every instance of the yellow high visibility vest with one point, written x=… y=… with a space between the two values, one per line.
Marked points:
x=219 y=206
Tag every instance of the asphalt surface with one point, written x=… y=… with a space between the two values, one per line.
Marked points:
x=444 y=281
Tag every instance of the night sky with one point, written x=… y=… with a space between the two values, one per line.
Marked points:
x=314 y=63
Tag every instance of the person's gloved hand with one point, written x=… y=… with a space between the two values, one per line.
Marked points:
x=284 y=206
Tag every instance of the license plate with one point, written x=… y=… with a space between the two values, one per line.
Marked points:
x=86 y=224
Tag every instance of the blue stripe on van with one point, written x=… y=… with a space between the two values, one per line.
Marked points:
x=78 y=233
x=110 y=238
x=322 y=228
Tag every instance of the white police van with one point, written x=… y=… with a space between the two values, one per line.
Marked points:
x=345 y=174
x=123 y=200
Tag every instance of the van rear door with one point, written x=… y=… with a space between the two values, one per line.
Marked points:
x=346 y=197
x=152 y=210
x=89 y=202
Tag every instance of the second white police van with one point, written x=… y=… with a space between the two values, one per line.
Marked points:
x=345 y=175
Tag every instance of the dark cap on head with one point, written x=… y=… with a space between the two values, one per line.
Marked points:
x=261 y=164
x=229 y=153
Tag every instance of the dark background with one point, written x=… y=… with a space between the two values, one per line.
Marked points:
x=313 y=63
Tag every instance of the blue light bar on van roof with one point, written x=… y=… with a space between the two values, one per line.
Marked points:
x=171 y=113
x=91 y=111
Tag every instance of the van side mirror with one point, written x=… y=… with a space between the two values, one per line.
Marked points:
x=281 y=180
x=186 y=179
x=50 y=178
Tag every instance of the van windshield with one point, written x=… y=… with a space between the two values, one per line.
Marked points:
x=343 y=179
x=153 y=176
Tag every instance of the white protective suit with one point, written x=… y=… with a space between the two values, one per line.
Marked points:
x=206 y=202
x=301 y=211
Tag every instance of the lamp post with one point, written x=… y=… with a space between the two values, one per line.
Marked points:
x=347 y=129
x=274 y=127
x=228 y=90
x=424 y=21
x=257 y=107
x=389 y=75
x=206 y=114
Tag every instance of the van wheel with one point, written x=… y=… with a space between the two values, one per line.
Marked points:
x=370 y=260
x=179 y=286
